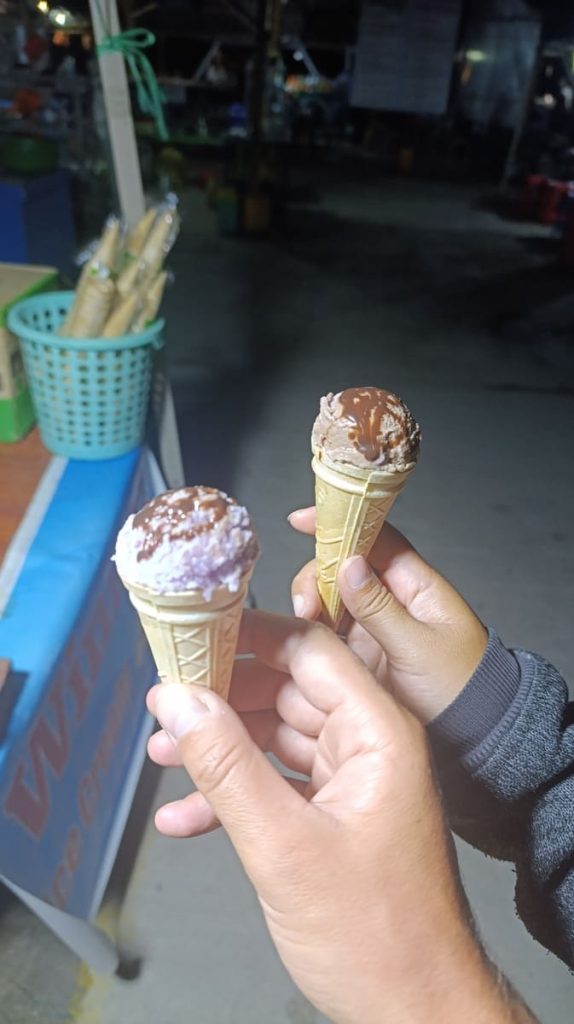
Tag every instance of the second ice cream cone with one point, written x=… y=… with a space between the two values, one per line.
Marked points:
x=351 y=509
x=192 y=640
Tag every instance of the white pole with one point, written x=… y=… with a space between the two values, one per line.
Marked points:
x=119 y=115
x=132 y=205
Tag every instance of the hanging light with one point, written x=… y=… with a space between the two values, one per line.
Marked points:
x=59 y=16
x=68 y=21
x=476 y=56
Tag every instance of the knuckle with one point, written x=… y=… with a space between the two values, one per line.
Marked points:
x=374 y=602
x=218 y=765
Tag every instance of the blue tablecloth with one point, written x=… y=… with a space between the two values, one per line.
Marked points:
x=81 y=667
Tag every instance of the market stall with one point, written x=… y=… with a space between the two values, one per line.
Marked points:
x=74 y=665
x=73 y=723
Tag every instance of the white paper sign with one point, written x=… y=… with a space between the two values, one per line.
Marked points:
x=405 y=53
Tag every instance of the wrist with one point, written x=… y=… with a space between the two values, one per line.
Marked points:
x=441 y=986
x=481 y=704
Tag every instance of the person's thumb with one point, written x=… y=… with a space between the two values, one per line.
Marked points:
x=374 y=606
x=252 y=801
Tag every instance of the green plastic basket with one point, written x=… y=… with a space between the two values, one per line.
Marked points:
x=91 y=395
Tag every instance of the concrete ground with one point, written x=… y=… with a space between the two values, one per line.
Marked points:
x=423 y=289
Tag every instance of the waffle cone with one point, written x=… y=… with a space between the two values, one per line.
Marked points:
x=351 y=509
x=192 y=640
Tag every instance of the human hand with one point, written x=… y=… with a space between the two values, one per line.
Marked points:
x=410 y=627
x=352 y=867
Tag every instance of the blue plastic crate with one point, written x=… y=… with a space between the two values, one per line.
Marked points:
x=37 y=222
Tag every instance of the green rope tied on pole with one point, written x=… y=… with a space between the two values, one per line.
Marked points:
x=131 y=44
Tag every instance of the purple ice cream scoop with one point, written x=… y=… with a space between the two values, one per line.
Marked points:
x=195 y=538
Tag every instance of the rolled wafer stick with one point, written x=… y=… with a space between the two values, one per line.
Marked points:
x=137 y=237
x=151 y=304
x=160 y=241
x=92 y=308
x=105 y=256
x=120 y=319
x=100 y=265
x=129 y=279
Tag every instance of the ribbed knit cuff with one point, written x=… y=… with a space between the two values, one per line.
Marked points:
x=483 y=702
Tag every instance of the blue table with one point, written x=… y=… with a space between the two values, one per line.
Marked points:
x=73 y=723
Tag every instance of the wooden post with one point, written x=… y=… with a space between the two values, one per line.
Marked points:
x=119 y=116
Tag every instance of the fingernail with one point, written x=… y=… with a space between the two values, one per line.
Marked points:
x=178 y=710
x=357 y=572
x=295 y=512
x=299 y=605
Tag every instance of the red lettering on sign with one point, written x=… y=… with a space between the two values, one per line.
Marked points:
x=79 y=687
x=92 y=649
x=31 y=806
x=106 y=606
x=72 y=851
x=64 y=875
x=90 y=789
x=87 y=798
x=60 y=887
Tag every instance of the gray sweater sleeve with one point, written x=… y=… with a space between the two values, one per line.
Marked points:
x=504 y=752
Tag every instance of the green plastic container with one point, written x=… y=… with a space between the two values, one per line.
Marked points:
x=17 y=414
x=20 y=154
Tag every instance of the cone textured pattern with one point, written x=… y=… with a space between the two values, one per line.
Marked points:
x=193 y=643
x=350 y=516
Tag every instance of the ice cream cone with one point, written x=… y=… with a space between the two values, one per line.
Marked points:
x=192 y=640
x=352 y=505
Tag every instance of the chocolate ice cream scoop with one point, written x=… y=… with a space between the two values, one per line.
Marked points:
x=194 y=538
x=368 y=428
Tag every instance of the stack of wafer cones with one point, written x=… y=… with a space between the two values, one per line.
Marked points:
x=192 y=640
x=122 y=283
x=352 y=505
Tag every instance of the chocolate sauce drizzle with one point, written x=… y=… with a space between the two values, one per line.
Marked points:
x=200 y=508
x=365 y=409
